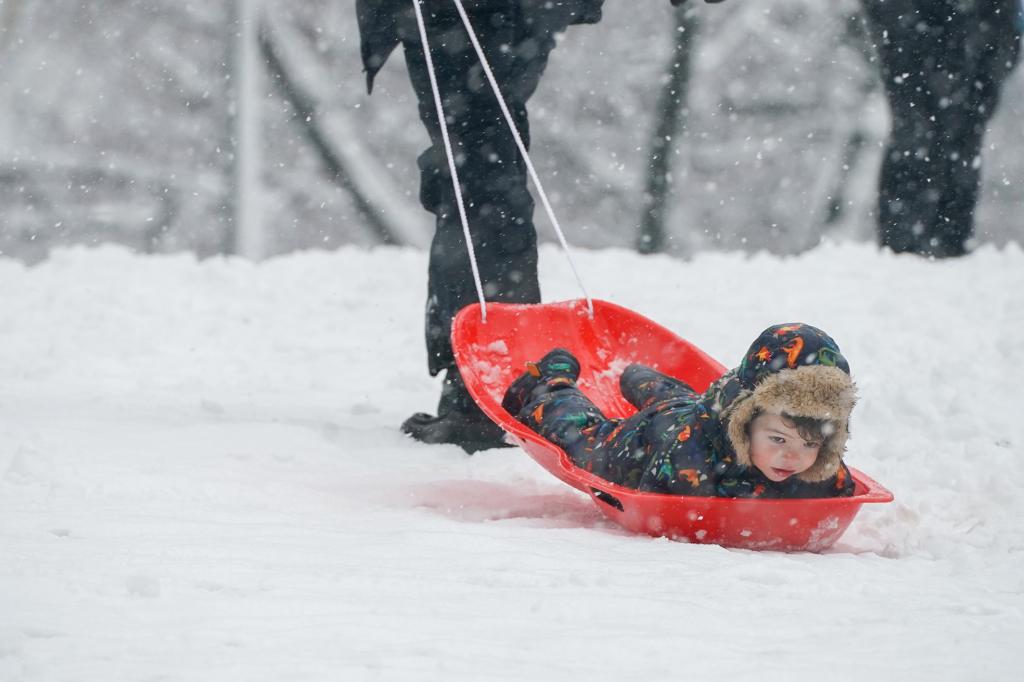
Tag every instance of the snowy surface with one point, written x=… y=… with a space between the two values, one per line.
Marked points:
x=201 y=478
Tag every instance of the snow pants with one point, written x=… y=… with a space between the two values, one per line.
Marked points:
x=943 y=63
x=616 y=449
x=492 y=175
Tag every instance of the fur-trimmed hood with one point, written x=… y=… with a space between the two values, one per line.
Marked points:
x=794 y=369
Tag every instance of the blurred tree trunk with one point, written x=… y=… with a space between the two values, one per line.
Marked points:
x=854 y=179
x=669 y=120
x=8 y=17
x=295 y=68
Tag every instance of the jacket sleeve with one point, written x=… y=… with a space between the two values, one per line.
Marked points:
x=378 y=34
x=379 y=21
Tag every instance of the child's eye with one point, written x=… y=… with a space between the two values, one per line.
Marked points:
x=777 y=439
x=812 y=444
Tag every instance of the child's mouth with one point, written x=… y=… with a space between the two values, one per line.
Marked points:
x=783 y=473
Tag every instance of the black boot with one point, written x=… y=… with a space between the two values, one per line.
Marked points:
x=557 y=369
x=459 y=420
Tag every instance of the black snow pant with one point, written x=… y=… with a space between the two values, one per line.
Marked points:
x=492 y=175
x=943 y=63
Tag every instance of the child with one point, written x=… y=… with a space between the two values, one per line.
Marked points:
x=776 y=426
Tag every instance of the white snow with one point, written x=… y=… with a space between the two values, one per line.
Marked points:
x=201 y=478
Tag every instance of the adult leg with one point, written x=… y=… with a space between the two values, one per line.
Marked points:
x=907 y=196
x=493 y=183
x=961 y=181
x=984 y=48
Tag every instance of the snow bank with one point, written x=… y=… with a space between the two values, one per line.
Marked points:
x=201 y=478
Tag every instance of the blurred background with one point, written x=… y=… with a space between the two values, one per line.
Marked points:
x=244 y=127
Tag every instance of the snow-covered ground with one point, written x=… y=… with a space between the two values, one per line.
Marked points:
x=201 y=478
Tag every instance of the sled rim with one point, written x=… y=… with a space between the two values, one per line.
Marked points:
x=701 y=519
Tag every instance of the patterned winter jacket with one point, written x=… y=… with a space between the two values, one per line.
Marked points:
x=703 y=447
x=382 y=23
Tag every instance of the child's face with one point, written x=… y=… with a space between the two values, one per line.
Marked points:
x=778 y=449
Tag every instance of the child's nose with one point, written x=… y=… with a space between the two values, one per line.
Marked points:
x=790 y=454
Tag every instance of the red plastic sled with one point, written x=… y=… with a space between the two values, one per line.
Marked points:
x=491 y=355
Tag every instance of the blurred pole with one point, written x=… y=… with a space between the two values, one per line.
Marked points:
x=246 y=237
x=670 y=114
x=8 y=17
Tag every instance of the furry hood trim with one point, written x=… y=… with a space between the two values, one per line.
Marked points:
x=816 y=391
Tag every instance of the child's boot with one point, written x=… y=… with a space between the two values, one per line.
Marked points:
x=557 y=369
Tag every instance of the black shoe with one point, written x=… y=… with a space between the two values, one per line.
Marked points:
x=469 y=432
x=557 y=369
x=459 y=421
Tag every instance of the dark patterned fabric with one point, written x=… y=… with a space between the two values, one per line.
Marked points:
x=677 y=442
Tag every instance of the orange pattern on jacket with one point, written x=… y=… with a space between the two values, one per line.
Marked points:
x=841 y=478
x=793 y=349
x=691 y=476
